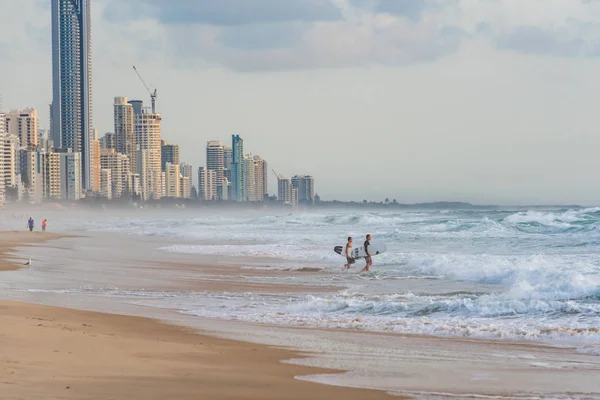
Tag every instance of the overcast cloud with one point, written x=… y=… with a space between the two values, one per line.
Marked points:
x=419 y=100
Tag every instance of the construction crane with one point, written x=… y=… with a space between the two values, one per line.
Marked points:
x=279 y=177
x=152 y=94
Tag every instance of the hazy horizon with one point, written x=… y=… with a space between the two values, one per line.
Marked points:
x=487 y=102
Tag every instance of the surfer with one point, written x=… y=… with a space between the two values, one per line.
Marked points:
x=349 y=259
x=368 y=259
x=30 y=224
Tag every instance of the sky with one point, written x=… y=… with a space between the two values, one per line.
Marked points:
x=485 y=101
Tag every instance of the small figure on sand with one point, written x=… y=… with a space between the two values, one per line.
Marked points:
x=30 y=224
x=44 y=223
x=349 y=259
x=368 y=259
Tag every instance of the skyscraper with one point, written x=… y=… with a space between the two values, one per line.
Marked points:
x=147 y=129
x=169 y=154
x=2 y=180
x=124 y=131
x=227 y=160
x=238 y=182
x=70 y=175
x=172 y=180
x=305 y=185
x=118 y=164
x=25 y=125
x=72 y=80
x=214 y=159
x=207 y=184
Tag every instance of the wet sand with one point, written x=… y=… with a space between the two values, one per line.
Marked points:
x=51 y=353
x=9 y=240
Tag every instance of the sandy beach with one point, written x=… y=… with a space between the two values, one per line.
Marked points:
x=52 y=353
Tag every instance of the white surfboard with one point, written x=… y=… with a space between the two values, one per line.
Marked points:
x=359 y=252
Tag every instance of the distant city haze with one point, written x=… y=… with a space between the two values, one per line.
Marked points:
x=486 y=102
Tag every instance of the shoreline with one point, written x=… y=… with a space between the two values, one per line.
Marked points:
x=57 y=351
x=403 y=363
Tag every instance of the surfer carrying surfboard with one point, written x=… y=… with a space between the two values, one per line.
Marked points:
x=368 y=259
x=349 y=259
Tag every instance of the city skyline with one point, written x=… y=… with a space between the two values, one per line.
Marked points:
x=478 y=111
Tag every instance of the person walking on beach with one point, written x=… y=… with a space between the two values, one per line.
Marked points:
x=30 y=224
x=44 y=223
x=368 y=259
x=349 y=259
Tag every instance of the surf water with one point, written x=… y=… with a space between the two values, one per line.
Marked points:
x=530 y=274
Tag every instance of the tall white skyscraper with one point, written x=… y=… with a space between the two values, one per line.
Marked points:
x=11 y=161
x=284 y=190
x=207 y=184
x=147 y=137
x=2 y=182
x=214 y=159
x=71 y=108
x=118 y=164
x=250 y=179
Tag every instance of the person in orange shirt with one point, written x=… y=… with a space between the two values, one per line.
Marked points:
x=44 y=225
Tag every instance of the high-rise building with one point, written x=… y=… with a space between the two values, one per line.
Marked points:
x=72 y=81
x=118 y=164
x=187 y=176
x=261 y=179
x=284 y=190
x=25 y=125
x=2 y=183
x=227 y=161
x=227 y=157
x=50 y=172
x=30 y=176
x=95 y=165
x=238 y=174
x=148 y=137
x=11 y=161
x=305 y=185
x=169 y=154
x=134 y=184
x=108 y=141
x=124 y=129
x=250 y=179
x=214 y=159
x=143 y=160
x=186 y=187
x=207 y=184
x=70 y=175
x=106 y=183
x=172 y=180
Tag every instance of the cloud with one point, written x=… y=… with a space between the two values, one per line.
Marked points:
x=224 y=12
x=411 y=9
